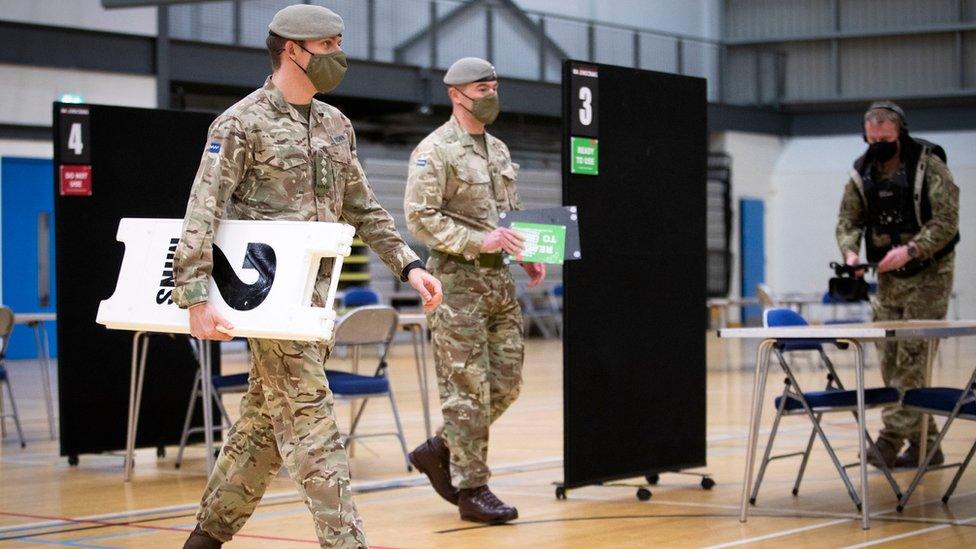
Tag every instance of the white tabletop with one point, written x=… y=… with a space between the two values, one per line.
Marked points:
x=413 y=319
x=28 y=318
x=901 y=329
x=731 y=301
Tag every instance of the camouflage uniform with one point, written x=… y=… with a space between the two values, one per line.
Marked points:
x=264 y=161
x=454 y=194
x=921 y=296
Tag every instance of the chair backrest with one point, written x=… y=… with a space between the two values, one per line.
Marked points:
x=782 y=317
x=6 y=326
x=765 y=295
x=369 y=325
x=359 y=297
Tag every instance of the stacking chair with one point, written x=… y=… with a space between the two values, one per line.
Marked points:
x=359 y=297
x=953 y=404
x=554 y=299
x=538 y=310
x=6 y=327
x=372 y=325
x=814 y=404
x=765 y=296
x=220 y=385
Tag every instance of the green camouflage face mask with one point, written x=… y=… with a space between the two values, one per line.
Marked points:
x=484 y=109
x=325 y=70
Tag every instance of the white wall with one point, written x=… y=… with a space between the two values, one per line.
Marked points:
x=85 y=14
x=801 y=181
x=807 y=183
x=754 y=156
x=26 y=93
x=26 y=148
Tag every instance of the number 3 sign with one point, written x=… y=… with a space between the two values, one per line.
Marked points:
x=585 y=85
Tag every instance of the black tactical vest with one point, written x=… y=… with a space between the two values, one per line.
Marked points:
x=900 y=206
x=891 y=211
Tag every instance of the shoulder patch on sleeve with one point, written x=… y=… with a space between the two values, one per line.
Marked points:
x=421 y=162
x=214 y=147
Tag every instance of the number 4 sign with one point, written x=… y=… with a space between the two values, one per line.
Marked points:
x=74 y=135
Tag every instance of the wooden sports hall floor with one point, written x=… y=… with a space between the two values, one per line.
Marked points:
x=44 y=502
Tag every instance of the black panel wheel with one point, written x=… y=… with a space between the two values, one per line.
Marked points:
x=643 y=494
x=707 y=483
x=653 y=478
x=160 y=451
x=560 y=492
x=73 y=460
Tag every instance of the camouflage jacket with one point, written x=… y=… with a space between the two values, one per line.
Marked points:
x=934 y=234
x=263 y=162
x=454 y=193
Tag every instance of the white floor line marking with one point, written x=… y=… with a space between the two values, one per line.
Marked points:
x=798 y=513
x=911 y=534
x=357 y=487
x=781 y=533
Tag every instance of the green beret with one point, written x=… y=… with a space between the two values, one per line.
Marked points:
x=306 y=22
x=469 y=69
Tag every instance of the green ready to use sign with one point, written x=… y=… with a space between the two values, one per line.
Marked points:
x=543 y=243
x=584 y=155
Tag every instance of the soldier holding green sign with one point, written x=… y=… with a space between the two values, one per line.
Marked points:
x=460 y=179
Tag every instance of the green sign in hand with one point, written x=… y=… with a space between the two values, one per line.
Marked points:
x=543 y=243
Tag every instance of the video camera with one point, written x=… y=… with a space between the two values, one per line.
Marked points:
x=847 y=285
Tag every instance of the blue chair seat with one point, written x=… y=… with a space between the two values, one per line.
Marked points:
x=788 y=345
x=359 y=297
x=345 y=383
x=775 y=318
x=938 y=398
x=840 y=399
x=233 y=380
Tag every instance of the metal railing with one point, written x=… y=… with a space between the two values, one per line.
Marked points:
x=433 y=33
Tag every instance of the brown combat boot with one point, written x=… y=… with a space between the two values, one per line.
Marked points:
x=884 y=451
x=201 y=540
x=909 y=459
x=480 y=505
x=433 y=459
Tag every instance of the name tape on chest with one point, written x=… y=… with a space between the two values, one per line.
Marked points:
x=264 y=274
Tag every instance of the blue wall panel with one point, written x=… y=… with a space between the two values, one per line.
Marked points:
x=752 y=253
x=26 y=196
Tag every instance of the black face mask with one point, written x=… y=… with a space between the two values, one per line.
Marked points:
x=882 y=151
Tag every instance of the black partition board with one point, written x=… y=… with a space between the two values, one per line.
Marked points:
x=143 y=163
x=634 y=337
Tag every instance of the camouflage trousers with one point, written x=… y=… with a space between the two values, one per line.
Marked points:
x=477 y=339
x=903 y=363
x=286 y=418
